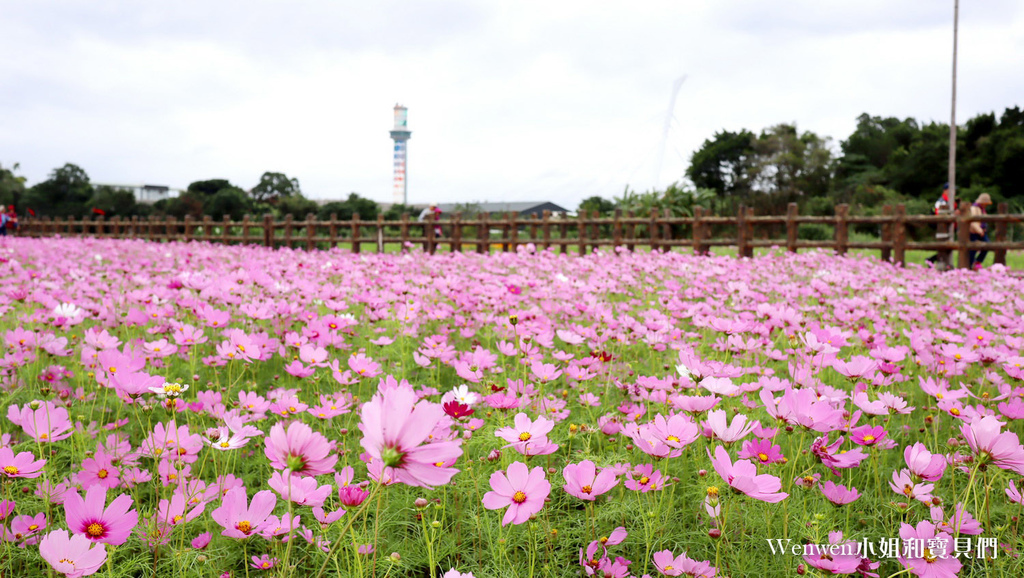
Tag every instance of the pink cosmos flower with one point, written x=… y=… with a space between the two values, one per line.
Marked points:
x=264 y=562
x=761 y=450
x=72 y=556
x=529 y=437
x=300 y=450
x=902 y=483
x=1002 y=449
x=523 y=490
x=839 y=494
x=718 y=422
x=933 y=559
x=923 y=463
x=396 y=425
x=663 y=437
x=644 y=478
x=47 y=423
x=1014 y=494
x=26 y=529
x=840 y=557
x=742 y=476
x=583 y=481
x=302 y=490
x=867 y=435
x=453 y=573
x=670 y=565
x=241 y=519
x=23 y=465
x=111 y=524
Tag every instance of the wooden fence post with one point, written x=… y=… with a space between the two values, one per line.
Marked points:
x=456 y=244
x=842 y=231
x=483 y=234
x=354 y=224
x=741 y=232
x=534 y=219
x=428 y=232
x=963 y=236
x=653 y=229
x=546 y=229
x=617 y=230
x=310 y=232
x=403 y=229
x=792 y=211
x=246 y=222
x=332 y=231
x=513 y=230
x=380 y=232
x=887 y=233
x=225 y=229
x=563 y=230
x=630 y=232
x=698 y=230
x=999 y=255
x=172 y=229
x=289 y=221
x=581 y=218
x=899 y=235
x=268 y=230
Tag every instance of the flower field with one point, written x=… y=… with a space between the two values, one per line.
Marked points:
x=204 y=410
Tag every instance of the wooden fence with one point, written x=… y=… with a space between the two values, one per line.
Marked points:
x=745 y=231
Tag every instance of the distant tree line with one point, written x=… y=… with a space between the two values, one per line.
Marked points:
x=884 y=161
x=68 y=192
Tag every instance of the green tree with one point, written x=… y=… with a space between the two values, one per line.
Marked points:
x=365 y=208
x=230 y=201
x=273 y=186
x=65 y=194
x=395 y=212
x=597 y=203
x=722 y=164
x=209 y=188
x=295 y=205
x=12 y=187
x=113 y=201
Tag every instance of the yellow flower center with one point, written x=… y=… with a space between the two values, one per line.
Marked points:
x=244 y=526
x=95 y=530
x=525 y=436
x=954 y=411
x=928 y=556
x=176 y=519
x=672 y=439
x=712 y=490
x=11 y=470
x=225 y=445
x=762 y=456
x=586 y=489
x=102 y=474
x=519 y=497
x=33 y=527
x=644 y=480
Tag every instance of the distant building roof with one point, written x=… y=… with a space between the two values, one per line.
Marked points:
x=521 y=207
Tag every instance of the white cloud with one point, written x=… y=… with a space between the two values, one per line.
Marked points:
x=508 y=100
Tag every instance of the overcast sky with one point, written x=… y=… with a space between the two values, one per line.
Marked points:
x=518 y=100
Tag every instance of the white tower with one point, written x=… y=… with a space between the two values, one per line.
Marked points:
x=400 y=135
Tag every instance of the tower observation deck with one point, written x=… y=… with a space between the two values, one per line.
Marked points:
x=400 y=134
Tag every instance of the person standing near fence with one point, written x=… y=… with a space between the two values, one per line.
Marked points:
x=8 y=218
x=979 y=230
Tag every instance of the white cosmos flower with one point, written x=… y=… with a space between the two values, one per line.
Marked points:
x=170 y=389
x=68 y=311
x=463 y=395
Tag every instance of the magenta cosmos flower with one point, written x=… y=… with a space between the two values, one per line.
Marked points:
x=300 y=450
x=72 y=556
x=583 y=481
x=742 y=476
x=23 y=465
x=923 y=463
x=523 y=490
x=395 y=426
x=239 y=518
x=111 y=524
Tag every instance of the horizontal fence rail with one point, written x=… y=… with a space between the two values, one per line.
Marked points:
x=745 y=231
